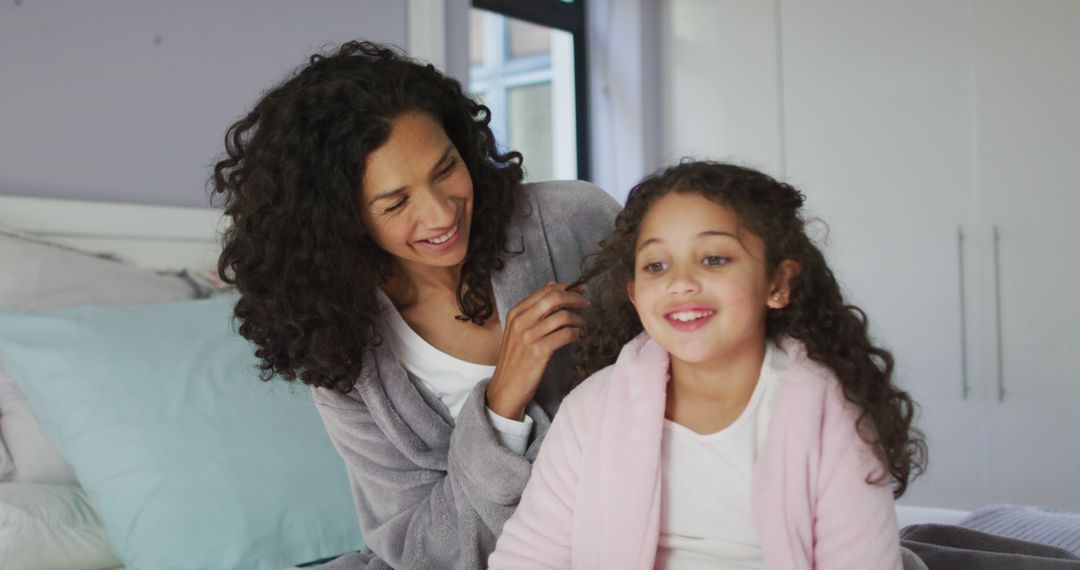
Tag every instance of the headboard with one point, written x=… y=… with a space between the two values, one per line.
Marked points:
x=155 y=237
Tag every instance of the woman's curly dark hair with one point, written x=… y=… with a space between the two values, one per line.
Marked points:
x=835 y=333
x=304 y=266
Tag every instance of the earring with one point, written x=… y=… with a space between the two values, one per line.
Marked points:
x=776 y=296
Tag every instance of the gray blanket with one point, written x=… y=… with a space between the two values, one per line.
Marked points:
x=432 y=492
x=949 y=547
x=1033 y=524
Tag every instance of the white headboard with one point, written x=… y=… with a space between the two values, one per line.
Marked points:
x=156 y=237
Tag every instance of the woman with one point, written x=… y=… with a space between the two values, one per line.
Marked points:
x=388 y=255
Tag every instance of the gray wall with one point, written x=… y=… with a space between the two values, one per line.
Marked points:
x=128 y=100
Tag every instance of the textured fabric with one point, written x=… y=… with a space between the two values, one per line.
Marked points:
x=40 y=275
x=911 y=560
x=706 y=517
x=1033 y=524
x=432 y=491
x=50 y=526
x=512 y=434
x=7 y=466
x=449 y=378
x=193 y=463
x=594 y=499
x=949 y=547
x=34 y=457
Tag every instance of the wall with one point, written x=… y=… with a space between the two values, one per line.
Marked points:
x=128 y=100
x=720 y=89
x=914 y=128
x=624 y=92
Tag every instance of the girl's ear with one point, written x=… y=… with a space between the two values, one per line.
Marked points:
x=630 y=293
x=780 y=292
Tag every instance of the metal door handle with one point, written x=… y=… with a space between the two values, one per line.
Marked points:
x=965 y=388
x=997 y=316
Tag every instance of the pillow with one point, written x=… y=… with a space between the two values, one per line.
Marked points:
x=50 y=526
x=192 y=462
x=36 y=275
x=7 y=466
x=42 y=275
x=34 y=458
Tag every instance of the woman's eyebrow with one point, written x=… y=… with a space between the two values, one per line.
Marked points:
x=391 y=193
x=386 y=195
x=446 y=154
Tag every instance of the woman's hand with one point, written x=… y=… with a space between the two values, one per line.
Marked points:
x=534 y=329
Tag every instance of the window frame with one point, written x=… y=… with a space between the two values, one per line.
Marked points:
x=568 y=17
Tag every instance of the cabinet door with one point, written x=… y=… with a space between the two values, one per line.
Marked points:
x=878 y=133
x=1028 y=93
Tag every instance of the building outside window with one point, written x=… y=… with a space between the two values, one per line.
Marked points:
x=524 y=71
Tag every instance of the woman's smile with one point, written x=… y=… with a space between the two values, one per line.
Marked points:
x=443 y=241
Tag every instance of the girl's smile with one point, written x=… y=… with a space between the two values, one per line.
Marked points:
x=689 y=318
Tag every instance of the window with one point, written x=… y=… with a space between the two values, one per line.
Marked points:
x=527 y=62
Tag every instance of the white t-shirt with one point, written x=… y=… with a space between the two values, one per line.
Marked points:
x=706 y=519
x=449 y=378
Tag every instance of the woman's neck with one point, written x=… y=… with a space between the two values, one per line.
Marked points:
x=407 y=285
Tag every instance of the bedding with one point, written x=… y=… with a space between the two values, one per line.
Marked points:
x=34 y=458
x=41 y=275
x=907 y=515
x=1034 y=524
x=7 y=465
x=192 y=462
x=50 y=526
x=948 y=547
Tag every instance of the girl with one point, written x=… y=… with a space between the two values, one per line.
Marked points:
x=389 y=256
x=748 y=421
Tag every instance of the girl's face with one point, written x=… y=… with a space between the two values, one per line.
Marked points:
x=700 y=284
x=417 y=195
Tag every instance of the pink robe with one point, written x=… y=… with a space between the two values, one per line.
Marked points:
x=593 y=500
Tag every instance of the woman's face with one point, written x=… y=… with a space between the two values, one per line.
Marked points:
x=416 y=195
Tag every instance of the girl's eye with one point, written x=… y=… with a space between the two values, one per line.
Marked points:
x=716 y=260
x=655 y=267
x=396 y=205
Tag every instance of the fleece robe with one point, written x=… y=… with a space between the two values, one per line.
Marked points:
x=431 y=491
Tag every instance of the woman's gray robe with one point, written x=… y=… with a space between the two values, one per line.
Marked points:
x=432 y=492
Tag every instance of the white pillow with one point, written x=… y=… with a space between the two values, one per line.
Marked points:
x=39 y=275
x=7 y=466
x=50 y=526
x=34 y=457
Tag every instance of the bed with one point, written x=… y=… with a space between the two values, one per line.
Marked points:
x=133 y=428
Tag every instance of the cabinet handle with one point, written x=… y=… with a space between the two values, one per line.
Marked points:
x=997 y=316
x=965 y=388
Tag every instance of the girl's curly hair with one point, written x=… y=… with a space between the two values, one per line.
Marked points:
x=306 y=270
x=834 y=332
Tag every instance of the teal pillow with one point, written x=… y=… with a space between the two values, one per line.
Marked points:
x=192 y=462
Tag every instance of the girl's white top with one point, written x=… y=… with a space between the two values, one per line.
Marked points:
x=449 y=378
x=706 y=519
